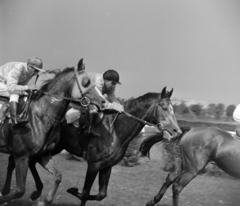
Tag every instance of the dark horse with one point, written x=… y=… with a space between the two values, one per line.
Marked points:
x=116 y=133
x=36 y=140
x=198 y=147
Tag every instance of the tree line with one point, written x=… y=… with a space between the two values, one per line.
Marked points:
x=198 y=111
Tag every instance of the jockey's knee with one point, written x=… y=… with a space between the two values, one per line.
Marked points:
x=14 y=98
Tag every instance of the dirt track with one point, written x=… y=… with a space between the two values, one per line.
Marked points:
x=133 y=186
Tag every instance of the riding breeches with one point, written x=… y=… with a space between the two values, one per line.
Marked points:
x=72 y=117
x=4 y=92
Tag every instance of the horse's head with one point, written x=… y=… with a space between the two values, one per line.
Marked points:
x=161 y=113
x=85 y=90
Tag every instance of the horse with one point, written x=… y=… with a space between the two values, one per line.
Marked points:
x=117 y=130
x=197 y=147
x=46 y=110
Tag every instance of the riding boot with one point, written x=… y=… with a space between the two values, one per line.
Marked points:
x=14 y=117
x=89 y=128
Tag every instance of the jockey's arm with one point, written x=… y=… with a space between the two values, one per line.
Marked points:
x=113 y=103
x=13 y=81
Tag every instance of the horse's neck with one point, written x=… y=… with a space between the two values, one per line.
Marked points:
x=52 y=105
x=127 y=128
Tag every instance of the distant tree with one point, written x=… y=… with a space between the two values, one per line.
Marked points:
x=211 y=110
x=219 y=110
x=196 y=109
x=181 y=109
x=230 y=109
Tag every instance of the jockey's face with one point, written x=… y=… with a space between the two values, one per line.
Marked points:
x=109 y=85
x=32 y=70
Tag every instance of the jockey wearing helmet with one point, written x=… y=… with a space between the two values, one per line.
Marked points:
x=14 y=77
x=106 y=84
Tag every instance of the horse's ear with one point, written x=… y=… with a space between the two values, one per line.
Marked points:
x=163 y=93
x=80 y=65
x=170 y=93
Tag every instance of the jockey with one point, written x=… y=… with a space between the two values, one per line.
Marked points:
x=106 y=84
x=14 y=77
x=236 y=117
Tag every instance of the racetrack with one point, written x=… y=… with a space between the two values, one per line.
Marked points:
x=132 y=186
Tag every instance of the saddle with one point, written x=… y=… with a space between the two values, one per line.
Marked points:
x=23 y=106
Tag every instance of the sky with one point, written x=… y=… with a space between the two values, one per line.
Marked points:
x=190 y=46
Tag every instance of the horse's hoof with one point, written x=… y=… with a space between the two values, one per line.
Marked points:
x=5 y=192
x=73 y=191
x=149 y=203
x=35 y=195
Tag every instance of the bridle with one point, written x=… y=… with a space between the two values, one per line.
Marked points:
x=83 y=100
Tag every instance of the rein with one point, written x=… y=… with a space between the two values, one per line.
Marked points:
x=144 y=121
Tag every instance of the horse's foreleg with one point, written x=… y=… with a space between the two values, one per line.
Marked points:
x=181 y=182
x=21 y=175
x=104 y=176
x=92 y=171
x=39 y=185
x=172 y=176
x=10 y=168
x=47 y=163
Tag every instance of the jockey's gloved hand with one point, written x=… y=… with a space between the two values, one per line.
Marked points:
x=32 y=87
x=119 y=107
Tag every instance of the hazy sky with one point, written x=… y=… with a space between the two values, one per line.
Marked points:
x=191 y=46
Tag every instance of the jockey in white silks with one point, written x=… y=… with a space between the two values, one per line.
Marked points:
x=236 y=117
x=106 y=84
x=14 y=77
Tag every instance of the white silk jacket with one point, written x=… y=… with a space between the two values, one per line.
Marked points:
x=111 y=97
x=16 y=76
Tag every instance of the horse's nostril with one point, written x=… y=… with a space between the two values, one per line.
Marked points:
x=103 y=102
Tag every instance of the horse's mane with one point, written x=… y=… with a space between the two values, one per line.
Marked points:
x=47 y=84
x=135 y=104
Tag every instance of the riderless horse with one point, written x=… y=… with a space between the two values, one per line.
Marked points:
x=46 y=110
x=198 y=147
x=117 y=130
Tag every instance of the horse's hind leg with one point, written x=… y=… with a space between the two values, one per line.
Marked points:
x=39 y=185
x=10 y=168
x=21 y=175
x=47 y=163
x=172 y=176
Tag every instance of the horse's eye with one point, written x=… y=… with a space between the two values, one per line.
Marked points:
x=86 y=81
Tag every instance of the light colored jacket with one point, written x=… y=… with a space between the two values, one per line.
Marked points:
x=111 y=99
x=16 y=76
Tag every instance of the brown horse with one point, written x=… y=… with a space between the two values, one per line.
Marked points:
x=105 y=152
x=36 y=140
x=198 y=147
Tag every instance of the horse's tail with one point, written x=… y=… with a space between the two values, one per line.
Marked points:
x=147 y=144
